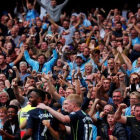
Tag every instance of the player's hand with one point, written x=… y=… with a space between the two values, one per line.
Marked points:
x=46 y=123
x=42 y=106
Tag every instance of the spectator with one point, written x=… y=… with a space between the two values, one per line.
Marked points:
x=23 y=70
x=41 y=65
x=129 y=120
x=9 y=131
x=53 y=9
x=113 y=129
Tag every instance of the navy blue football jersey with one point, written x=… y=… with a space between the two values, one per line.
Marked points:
x=34 y=121
x=81 y=126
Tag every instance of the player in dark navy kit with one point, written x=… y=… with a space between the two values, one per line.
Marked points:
x=81 y=125
x=41 y=125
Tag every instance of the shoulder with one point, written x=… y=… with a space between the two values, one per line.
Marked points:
x=6 y=124
x=131 y=118
x=32 y=111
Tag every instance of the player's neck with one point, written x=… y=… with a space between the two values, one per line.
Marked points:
x=76 y=109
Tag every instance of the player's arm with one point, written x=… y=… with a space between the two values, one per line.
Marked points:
x=23 y=125
x=54 y=133
x=27 y=134
x=59 y=116
x=68 y=130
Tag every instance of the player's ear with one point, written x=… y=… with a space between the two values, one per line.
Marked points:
x=39 y=99
x=73 y=104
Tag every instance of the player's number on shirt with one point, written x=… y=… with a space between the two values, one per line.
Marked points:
x=44 y=130
x=88 y=131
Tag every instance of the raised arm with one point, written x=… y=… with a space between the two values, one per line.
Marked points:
x=17 y=73
x=19 y=97
x=77 y=82
x=107 y=42
x=54 y=59
x=34 y=4
x=109 y=14
x=130 y=43
x=104 y=59
x=41 y=4
x=52 y=22
x=127 y=61
x=64 y=3
x=137 y=29
x=51 y=88
x=19 y=56
x=3 y=49
x=93 y=108
x=28 y=59
x=118 y=114
x=78 y=23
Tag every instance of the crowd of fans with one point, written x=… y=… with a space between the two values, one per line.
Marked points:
x=69 y=77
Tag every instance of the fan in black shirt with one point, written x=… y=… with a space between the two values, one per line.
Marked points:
x=133 y=122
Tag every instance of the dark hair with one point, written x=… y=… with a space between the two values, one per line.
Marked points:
x=83 y=41
x=96 y=51
x=89 y=80
x=66 y=21
x=30 y=77
x=59 y=43
x=12 y=21
x=13 y=106
x=42 y=55
x=48 y=95
x=11 y=51
x=111 y=113
x=110 y=57
x=32 y=86
x=113 y=107
x=3 y=56
x=39 y=93
x=119 y=23
x=77 y=32
x=137 y=105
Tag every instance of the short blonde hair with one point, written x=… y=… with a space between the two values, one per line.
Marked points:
x=75 y=98
x=72 y=88
x=136 y=94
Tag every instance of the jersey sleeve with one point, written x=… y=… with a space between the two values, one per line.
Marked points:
x=73 y=117
x=30 y=122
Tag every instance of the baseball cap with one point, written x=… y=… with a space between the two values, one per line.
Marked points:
x=74 y=14
x=80 y=55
